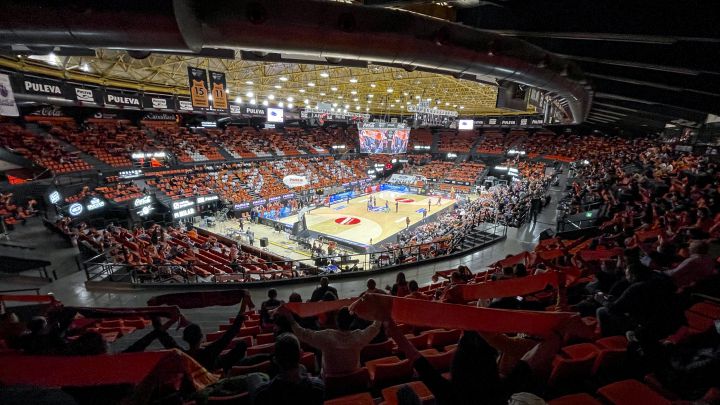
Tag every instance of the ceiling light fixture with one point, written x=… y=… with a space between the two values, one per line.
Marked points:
x=324 y=74
x=271 y=97
x=283 y=79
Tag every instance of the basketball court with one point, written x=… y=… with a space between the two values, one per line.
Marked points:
x=353 y=222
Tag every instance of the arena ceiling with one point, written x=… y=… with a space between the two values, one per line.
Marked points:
x=649 y=63
x=369 y=88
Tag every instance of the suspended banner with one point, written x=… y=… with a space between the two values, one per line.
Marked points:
x=158 y=102
x=123 y=99
x=510 y=121
x=254 y=111
x=235 y=109
x=219 y=91
x=8 y=107
x=84 y=95
x=332 y=114
x=43 y=87
x=426 y=115
x=184 y=105
x=198 y=82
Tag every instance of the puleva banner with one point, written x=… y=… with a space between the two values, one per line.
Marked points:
x=8 y=107
x=218 y=89
x=197 y=79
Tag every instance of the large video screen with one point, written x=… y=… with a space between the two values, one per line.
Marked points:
x=377 y=137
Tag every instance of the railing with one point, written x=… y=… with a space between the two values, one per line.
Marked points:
x=22 y=290
x=98 y=269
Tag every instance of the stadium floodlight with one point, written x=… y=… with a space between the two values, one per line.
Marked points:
x=281 y=104
x=333 y=88
x=265 y=103
x=353 y=92
x=389 y=90
x=249 y=82
x=253 y=101
x=311 y=84
x=271 y=97
x=290 y=105
x=283 y=79
x=324 y=74
x=353 y=80
x=302 y=90
x=372 y=85
x=238 y=100
x=249 y=94
x=306 y=101
x=277 y=86
x=290 y=99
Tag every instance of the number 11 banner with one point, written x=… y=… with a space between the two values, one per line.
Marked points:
x=197 y=79
x=218 y=89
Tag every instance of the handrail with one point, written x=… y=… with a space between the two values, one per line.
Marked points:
x=37 y=290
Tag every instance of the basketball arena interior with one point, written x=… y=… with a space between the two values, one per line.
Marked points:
x=359 y=202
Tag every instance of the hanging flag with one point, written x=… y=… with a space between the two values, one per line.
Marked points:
x=197 y=79
x=218 y=90
x=8 y=107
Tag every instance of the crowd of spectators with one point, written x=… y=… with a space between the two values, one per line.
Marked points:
x=11 y=213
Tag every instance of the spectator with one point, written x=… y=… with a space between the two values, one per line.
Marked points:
x=340 y=347
x=372 y=288
x=648 y=306
x=415 y=293
x=400 y=288
x=699 y=266
x=210 y=356
x=271 y=303
x=292 y=385
x=324 y=288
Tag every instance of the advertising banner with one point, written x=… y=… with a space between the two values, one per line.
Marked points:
x=158 y=102
x=254 y=111
x=198 y=82
x=294 y=180
x=8 y=107
x=43 y=87
x=84 y=95
x=218 y=90
x=184 y=105
x=123 y=99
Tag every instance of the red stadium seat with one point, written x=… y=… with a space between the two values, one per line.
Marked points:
x=631 y=392
x=355 y=382
x=354 y=399
x=575 y=399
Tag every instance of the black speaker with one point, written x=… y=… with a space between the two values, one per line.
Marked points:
x=263 y=242
x=547 y=234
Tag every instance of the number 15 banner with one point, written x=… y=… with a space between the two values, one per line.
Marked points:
x=218 y=89
x=197 y=79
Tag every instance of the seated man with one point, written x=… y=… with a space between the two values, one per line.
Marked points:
x=292 y=385
x=648 y=305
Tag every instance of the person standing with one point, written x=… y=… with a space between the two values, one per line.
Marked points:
x=407 y=222
x=429 y=203
x=397 y=206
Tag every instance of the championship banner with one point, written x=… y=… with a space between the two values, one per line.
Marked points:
x=123 y=99
x=198 y=82
x=8 y=107
x=218 y=90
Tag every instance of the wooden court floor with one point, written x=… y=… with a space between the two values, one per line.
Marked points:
x=352 y=221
